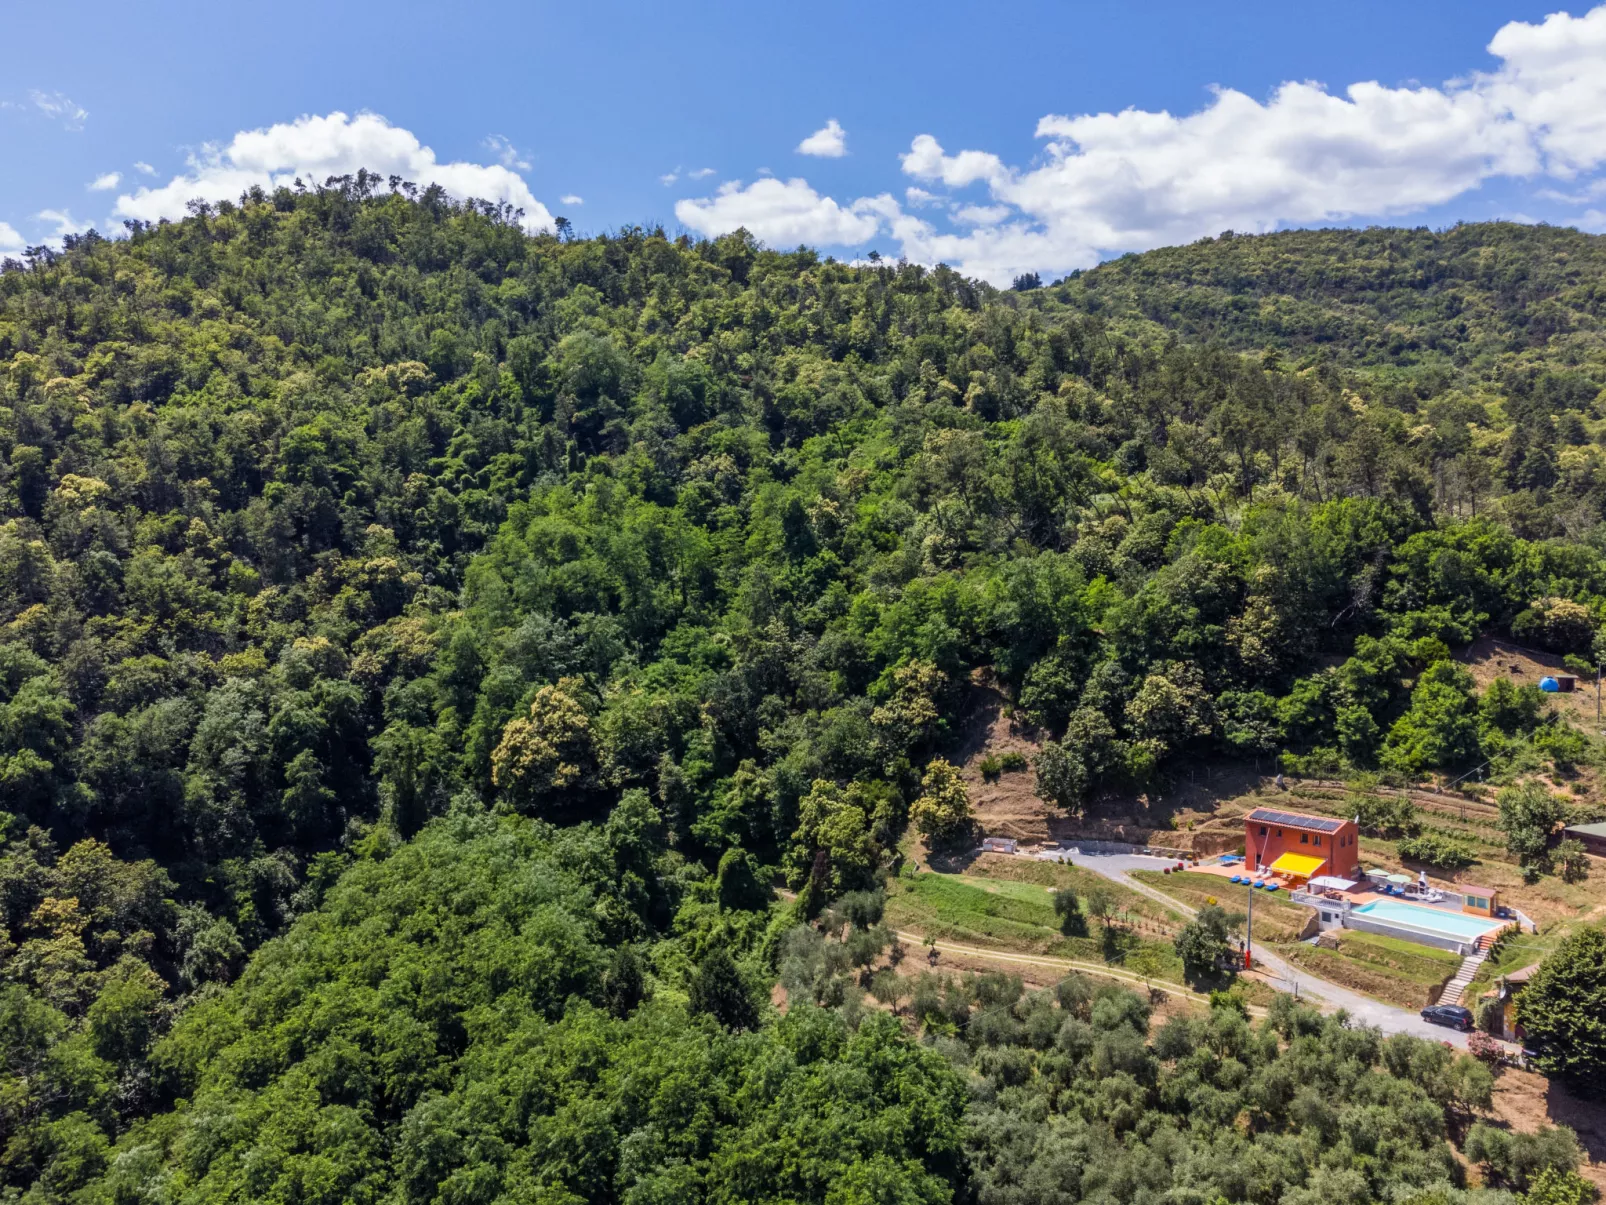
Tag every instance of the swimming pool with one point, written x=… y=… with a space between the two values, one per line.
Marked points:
x=1432 y=920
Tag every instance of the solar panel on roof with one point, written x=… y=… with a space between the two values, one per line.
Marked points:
x=1292 y=820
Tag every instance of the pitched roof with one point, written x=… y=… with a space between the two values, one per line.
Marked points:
x=1316 y=824
x=1589 y=830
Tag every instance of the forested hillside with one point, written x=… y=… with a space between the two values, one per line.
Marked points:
x=422 y=645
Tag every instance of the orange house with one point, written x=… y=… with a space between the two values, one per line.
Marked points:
x=1300 y=846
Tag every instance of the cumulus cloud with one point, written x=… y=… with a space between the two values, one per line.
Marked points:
x=315 y=148
x=1136 y=179
x=925 y=160
x=830 y=141
x=571 y=199
x=105 y=182
x=1553 y=82
x=982 y=215
x=702 y=173
x=10 y=240
x=144 y=169
x=63 y=221
x=782 y=213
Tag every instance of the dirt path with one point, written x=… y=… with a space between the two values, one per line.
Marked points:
x=909 y=938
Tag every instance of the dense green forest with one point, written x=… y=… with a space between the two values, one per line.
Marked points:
x=422 y=647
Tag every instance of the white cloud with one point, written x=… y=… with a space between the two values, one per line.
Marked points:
x=144 y=169
x=1553 y=81
x=315 y=148
x=57 y=106
x=506 y=153
x=925 y=160
x=571 y=199
x=830 y=141
x=920 y=197
x=64 y=222
x=10 y=240
x=106 y=181
x=982 y=215
x=702 y=173
x=781 y=214
x=1137 y=179
x=669 y=178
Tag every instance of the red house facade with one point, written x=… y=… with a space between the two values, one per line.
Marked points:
x=1318 y=845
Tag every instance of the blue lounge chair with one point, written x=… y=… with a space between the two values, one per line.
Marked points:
x=1271 y=886
x=1237 y=878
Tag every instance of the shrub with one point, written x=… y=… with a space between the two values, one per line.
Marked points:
x=1435 y=850
x=1491 y=1015
x=1069 y=909
x=1012 y=761
x=1377 y=816
x=1484 y=1048
x=1552 y=1187
x=1571 y=860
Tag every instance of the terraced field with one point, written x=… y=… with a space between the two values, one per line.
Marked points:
x=1276 y=919
x=1400 y=972
x=1019 y=916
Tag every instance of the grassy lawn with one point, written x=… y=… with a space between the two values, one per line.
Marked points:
x=1516 y=952
x=1400 y=972
x=1276 y=917
x=998 y=868
x=1019 y=916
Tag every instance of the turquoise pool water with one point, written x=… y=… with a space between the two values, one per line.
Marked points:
x=1451 y=924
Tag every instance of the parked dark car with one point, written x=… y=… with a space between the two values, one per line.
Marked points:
x=1452 y=1015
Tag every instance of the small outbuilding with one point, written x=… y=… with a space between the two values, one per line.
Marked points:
x=1479 y=901
x=1506 y=990
x=1593 y=836
x=1558 y=684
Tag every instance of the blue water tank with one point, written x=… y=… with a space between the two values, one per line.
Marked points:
x=1549 y=685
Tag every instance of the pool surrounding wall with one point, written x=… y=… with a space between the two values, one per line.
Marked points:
x=1383 y=928
x=1396 y=925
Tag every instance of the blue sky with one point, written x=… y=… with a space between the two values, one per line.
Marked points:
x=536 y=103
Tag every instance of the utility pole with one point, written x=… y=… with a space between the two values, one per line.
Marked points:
x=1249 y=930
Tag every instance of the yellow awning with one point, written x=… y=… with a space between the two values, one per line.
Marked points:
x=1298 y=864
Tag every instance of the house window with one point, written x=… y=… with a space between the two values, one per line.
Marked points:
x=1304 y=838
x=1262 y=830
x=1318 y=839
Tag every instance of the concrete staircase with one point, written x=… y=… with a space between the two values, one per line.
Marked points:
x=1454 y=990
